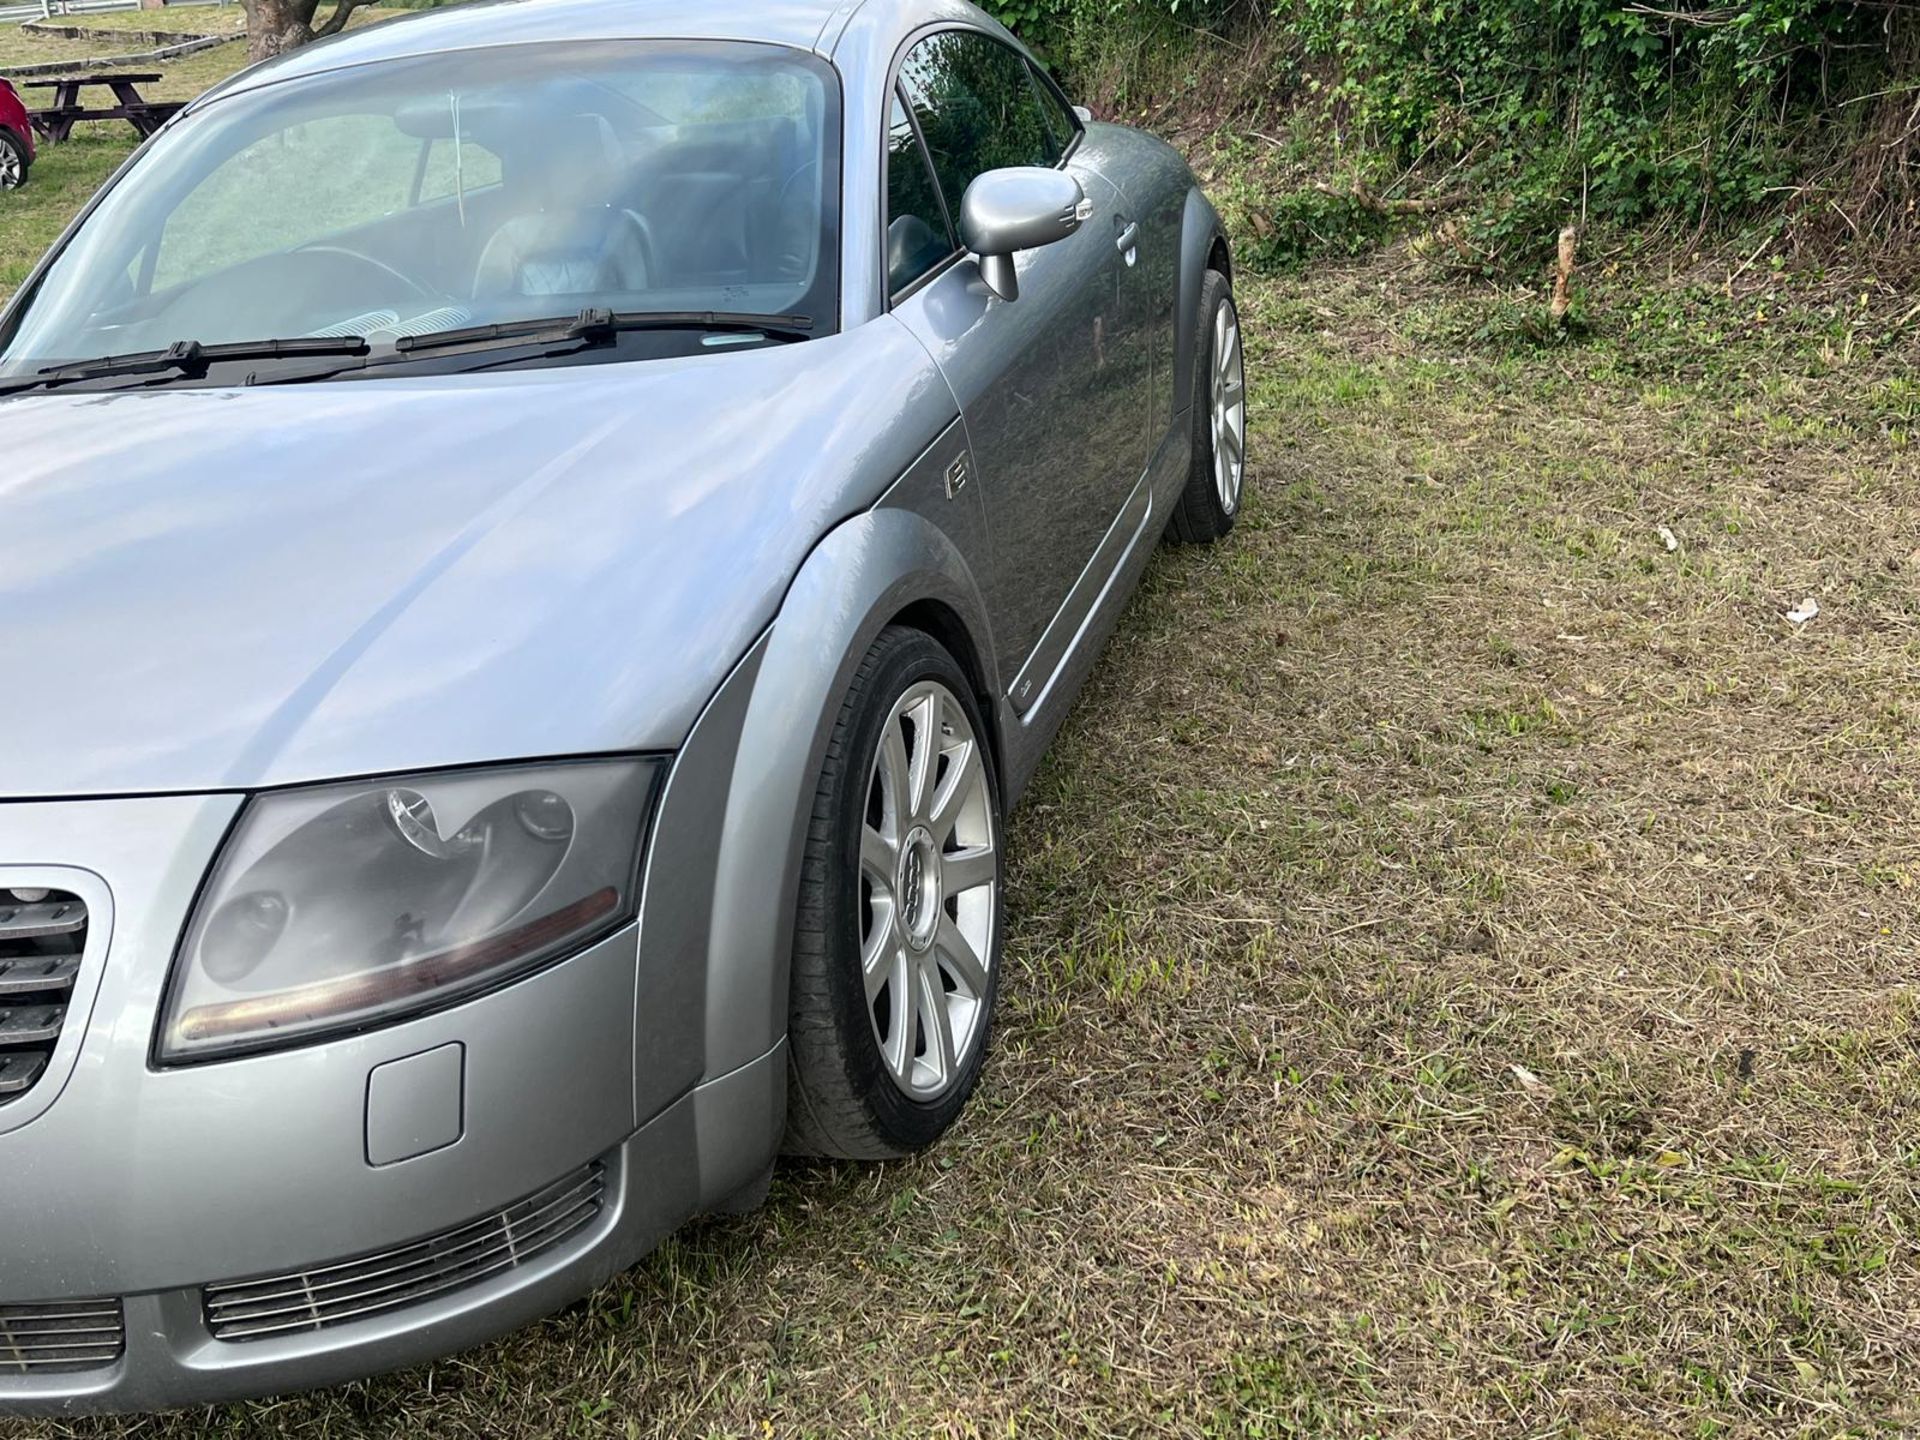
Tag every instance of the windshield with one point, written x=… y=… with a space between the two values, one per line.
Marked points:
x=415 y=197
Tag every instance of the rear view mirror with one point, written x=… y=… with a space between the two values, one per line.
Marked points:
x=1022 y=208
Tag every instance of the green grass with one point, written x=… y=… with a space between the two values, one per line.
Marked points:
x=1461 y=977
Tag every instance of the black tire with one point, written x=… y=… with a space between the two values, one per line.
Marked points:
x=1201 y=515
x=14 y=165
x=843 y=1100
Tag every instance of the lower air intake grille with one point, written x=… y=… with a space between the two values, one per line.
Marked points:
x=52 y=1339
x=393 y=1279
x=42 y=936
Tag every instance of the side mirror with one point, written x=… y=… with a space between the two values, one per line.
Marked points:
x=1022 y=208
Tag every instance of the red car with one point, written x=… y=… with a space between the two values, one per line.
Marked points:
x=16 y=139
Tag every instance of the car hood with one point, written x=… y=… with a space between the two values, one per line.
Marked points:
x=225 y=589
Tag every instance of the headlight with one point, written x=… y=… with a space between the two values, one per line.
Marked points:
x=349 y=906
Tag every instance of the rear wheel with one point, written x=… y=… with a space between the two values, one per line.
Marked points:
x=897 y=943
x=13 y=161
x=1216 y=479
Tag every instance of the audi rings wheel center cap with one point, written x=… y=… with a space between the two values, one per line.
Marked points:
x=919 y=888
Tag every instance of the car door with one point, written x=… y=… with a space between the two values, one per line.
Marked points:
x=1157 y=183
x=1140 y=259
x=1043 y=382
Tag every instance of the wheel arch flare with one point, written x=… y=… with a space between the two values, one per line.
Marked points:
x=887 y=566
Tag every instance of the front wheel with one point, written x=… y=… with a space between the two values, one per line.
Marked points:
x=1217 y=473
x=13 y=161
x=896 y=961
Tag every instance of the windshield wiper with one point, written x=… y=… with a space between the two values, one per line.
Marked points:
x=185 y=357
x=587 y=329
x=600 y=327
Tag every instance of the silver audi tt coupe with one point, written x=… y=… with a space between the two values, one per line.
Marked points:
x=538 y=544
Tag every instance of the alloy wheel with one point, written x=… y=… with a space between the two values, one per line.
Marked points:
x=929 y=888
x=1229 y=400
x=12 y=169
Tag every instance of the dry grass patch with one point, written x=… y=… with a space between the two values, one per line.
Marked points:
x=1462 y=964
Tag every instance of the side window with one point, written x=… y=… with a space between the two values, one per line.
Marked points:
x=918 y=237
x=977 y=108
x=1062 y=123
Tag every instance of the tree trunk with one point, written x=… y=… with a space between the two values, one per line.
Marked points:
x=276 y=26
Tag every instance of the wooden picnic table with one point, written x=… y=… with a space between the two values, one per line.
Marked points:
x=56 y=123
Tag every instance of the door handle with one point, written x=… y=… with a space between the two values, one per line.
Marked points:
x=1129 y=238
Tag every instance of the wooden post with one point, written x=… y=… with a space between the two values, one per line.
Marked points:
x=1563 y=274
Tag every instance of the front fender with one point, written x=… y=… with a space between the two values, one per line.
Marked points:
x=862 y=575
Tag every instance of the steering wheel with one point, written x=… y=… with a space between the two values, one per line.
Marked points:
x=414 y=288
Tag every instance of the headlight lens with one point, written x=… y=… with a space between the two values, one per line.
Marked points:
x=348 y=906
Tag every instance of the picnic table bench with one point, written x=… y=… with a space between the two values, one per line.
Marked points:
x=57 y=122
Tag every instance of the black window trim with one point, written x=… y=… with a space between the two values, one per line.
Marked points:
x=1047 y=83
x=896 y=87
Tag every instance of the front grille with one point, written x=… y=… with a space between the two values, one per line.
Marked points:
x=42 y=935
x=393 y=1279
x=53 y=1339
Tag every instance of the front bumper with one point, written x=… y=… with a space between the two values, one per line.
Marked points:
x=123 y=1182
x=653 y=1182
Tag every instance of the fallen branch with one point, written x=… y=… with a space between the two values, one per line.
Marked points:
x=1431 y=205
x=1701 y=19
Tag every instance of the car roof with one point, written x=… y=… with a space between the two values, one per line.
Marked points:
x=805 y=24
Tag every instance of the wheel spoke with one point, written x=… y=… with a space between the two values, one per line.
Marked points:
x=926 y=717
x=1232 y=393
x=969 y=970
x=1231 y=436
x=963 y=775
x=898 y=1048
x=882 y=953
x=937 y=1022
x=964 y=870
x=877 y=857
x=896 y=781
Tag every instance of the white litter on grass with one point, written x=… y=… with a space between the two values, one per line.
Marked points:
x=1669 y=539
x=1530 y=1081
x=1806 y=610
